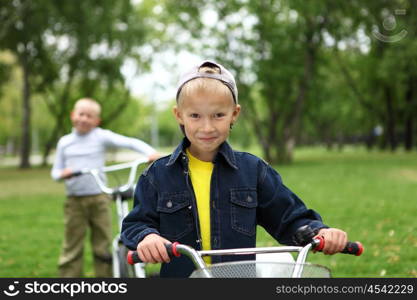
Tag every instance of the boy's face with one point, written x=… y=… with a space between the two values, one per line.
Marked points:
x=206 y=116
x=85 y=117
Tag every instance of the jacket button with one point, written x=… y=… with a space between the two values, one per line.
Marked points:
x=189 y=207
x=249 y=199
x=169 y=204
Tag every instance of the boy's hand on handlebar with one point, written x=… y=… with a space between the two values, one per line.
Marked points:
x=152 y=249
x=335 y=240
x=66 y=173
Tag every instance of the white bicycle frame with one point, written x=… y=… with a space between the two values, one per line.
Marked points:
x=122 y=207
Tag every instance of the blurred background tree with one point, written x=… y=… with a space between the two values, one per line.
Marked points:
x=314 y=71
x=68 y=51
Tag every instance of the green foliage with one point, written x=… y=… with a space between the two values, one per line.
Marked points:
x=75 y=51
x=5 y=70
x=169 y=132
x=333 y=112
x=314 y=71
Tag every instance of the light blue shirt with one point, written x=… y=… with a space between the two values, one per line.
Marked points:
x=80 y=151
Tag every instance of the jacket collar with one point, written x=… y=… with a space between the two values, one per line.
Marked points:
x=225 y=151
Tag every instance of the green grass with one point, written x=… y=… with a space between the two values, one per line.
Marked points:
x=31 y=223
x=370 y=195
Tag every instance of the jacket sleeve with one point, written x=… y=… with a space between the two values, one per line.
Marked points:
x=143 y=219
x=280 y=211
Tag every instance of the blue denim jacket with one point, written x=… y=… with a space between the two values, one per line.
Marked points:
x=245 y=192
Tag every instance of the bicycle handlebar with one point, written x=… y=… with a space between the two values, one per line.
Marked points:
x=176 y=249
x=78 y=173
x=133 y=165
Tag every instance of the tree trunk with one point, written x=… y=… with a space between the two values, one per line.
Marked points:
x=26 y=122
x=292 y=121
x=408 y=136
x=410 y=115
x=60 y=113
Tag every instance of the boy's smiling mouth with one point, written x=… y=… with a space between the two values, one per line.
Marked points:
x=207 y=139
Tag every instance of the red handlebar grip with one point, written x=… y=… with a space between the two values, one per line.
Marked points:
x=360 y=249
x=174 y=249
x=132 y=257
x=320 y=243
x=354 y=248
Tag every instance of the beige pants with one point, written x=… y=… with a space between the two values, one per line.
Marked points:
x=81 y=213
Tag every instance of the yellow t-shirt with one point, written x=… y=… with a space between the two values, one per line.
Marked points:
x=200 y=172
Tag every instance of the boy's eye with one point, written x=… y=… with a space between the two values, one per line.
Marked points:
x=219 y=115
x=194 y=115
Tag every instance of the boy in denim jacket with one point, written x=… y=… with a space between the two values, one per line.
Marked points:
x=207 y=195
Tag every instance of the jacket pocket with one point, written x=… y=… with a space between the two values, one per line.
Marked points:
x=176 y=218
x=243 y=210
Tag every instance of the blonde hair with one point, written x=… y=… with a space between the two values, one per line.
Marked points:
x=203 y=83
x=89 y=101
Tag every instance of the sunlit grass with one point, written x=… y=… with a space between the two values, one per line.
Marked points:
x=371 y=196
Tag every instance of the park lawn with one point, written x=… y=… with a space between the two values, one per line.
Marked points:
x=371 y=195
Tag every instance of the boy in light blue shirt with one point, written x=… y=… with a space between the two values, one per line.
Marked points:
x=86 y=205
